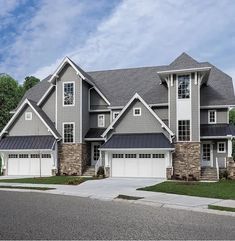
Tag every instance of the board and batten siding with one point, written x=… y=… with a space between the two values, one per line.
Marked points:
x=85 y=109
x=221 y=116
x=94 y=119
x=69 y=113
x=22 y=127
x=48 y=105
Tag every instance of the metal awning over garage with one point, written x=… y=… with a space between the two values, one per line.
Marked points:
x=138 y=141
x=27 y=143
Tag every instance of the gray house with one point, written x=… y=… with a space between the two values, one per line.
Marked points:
x=163 y=121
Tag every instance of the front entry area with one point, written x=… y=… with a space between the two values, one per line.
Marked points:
x=207 y=154
x=145 y=165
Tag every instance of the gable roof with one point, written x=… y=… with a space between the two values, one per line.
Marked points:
x=137 y=96
x=39 y=112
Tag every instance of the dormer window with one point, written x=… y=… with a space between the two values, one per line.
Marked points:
x=183 y=87
x=211 y=116
x=137 y=111
x=68 y=94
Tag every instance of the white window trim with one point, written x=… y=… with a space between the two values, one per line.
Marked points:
x=221 y=142
x=134 y=109
x=69 y=82
x=30 y=116
x=190 y=136
x=73 y=123
x=177 y=85
x=115 y=112
x=209 y=111
x=98 y=124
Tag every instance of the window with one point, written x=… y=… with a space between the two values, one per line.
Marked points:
x=130 y=156
x=158 y=156
x=211 y=116
x=144 y=155
x=117 y=155
x=115 y=114
x=137 y=111
x=12 y=156
x=68 y=130
x=28 y=116
x=96 y=152
x=206 y=151
x=68 y=94
x=101 y=121
x=184 y=130
x=221 y=147
x=46 y=155
x=183 y=87
x=23 y=156
x=35 y=156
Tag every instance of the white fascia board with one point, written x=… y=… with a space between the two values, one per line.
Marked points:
x=217 y=106
x=24 y=150
x=136 y=149
x=137 y=96
x=115 y=107
x=97 y=111
x=94 y=139
x=45 y=95
x=216 y=137
x=162 y=104
x=183 y=70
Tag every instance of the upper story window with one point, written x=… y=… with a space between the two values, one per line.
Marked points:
x=184 y=130
x=115 y=114
x=68 y=94
x=101 y=121
x=183 y=87
x=68 y=132
x=211 y=116
x=137 y=111
x=28 y=116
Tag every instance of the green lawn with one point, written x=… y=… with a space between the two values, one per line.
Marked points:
x=221 y=189
x=72 y=180
x=221 y=208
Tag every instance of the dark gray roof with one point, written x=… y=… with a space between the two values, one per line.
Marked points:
x=217 y=130
x=27 y=143
x=95 y=133
x=145 y=140
x=45 y=117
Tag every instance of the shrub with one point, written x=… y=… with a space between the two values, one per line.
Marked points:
x=74 y=181
x=223 y=174
x=101 y=172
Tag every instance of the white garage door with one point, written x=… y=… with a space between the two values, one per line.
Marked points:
x=139 y=165
x=30 y=164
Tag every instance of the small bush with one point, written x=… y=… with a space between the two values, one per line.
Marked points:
x=223 y=175
x=75 y=181
x=101 y=172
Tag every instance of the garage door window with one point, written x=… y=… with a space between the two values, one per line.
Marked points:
x=130 y=156
x=144 y=155
x=158 y=156
x=117 y=155
x=12 y=156
x=35 y=156
x=46 y=155
x=23 y=156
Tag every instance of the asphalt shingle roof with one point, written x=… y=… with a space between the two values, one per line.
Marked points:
x=95 y=132
x=27 y=143
x=217 y=130
x=145 y=140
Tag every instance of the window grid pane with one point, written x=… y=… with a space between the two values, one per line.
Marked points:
x=68 y=133
x=184 y=130
x=96 y=153
x=212 y=116
x=183 y=87
x=68 y=94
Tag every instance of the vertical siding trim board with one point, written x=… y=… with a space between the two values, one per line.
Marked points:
x=199 y=101
x=80 y=132
x=56 y=99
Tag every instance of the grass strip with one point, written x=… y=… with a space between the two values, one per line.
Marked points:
x=220 y=208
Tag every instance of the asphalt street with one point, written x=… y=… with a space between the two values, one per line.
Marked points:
x=47 y=216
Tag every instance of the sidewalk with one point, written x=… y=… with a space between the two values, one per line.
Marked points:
x=156 y=199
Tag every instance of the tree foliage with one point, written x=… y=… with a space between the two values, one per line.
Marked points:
x=232 y=121
x=29 y=82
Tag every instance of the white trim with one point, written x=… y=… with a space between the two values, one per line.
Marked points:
x=68 y=82
x=56 y=105
x=64 y=123
x=134 y=109
x=199 y=101
x=209 y=111
x=113 y=115
x=94 y=139
x=95 y=111
x=81 y=106
x=26 y=101
x=115 y=107
x=137 y=149
x=215 y=137
x=183 y=70
x=217 y=106
x=98 y=124
x=221 y=142
x=137 y=96
x=161 y=104
x=28 y=116
x=25 y=150
x=230 y=147
x=45 y=95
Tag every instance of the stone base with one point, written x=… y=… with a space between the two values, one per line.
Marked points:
x=186 y=160
x=231 y=168
x=73 y=158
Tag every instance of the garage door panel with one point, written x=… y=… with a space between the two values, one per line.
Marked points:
x=145 y=167
x=131 y=168
x=13 y=166
x=159 y=167
x=118 y=167
x=24 y=166
x=46 y=166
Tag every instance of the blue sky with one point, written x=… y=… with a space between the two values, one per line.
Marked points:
x=35 y=35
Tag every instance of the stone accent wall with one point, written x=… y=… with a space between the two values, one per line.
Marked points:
x=186 y=160
x=73 y=158
x=169 y=173
x=231 y=168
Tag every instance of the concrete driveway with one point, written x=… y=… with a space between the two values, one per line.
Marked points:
x=109 y=188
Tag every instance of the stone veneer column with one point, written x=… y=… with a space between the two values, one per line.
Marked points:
x=186 y=160
x=73 y=158
x=231 y=168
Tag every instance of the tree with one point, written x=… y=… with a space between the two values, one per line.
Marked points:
x=232 y=121
x=9 y=98
x=29 y=82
